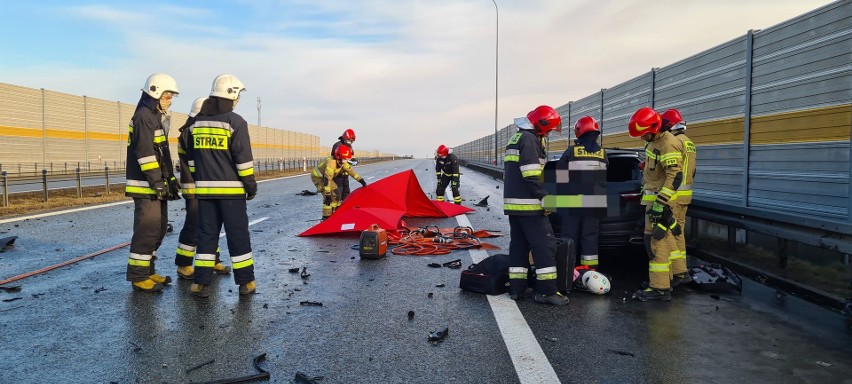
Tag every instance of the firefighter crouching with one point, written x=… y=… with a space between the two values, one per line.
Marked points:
x=150 y=180
x=223 y=165
x=342 y=180
x=447 y=172
x=187 y=241
x=324 y=174
x=673 y=122
x=662 y=176
x=530 y=230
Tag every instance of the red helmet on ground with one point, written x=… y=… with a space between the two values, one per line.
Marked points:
x=584 y=125
x=545 y=119
x=645 y=120
x=443 y=151
x=348 y=135
x=671 y=118
x=343 y=152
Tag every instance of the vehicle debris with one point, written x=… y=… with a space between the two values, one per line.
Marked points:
x=305 y=273
x=434 y=265
x=438 y=336
x=410 y=315
x=483 y=202
x=623 y=353
x=12 y=289
x=302 y=378
x=200 y=365
x=7 y=242
x=262 y=375
x=309 y=303
x=455 y=264
x=294 y=270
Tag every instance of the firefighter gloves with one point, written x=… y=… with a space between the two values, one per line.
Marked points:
x=363 y=182
x=161 y=190
x=174 y=189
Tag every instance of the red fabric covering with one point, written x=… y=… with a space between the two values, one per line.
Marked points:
x=356 y=220
x=400 y=192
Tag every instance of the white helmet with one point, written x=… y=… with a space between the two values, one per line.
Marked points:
x=159 y=83
x=196 y=106
x=596 y=282
x=227 y=87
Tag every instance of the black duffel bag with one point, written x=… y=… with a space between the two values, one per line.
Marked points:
x=489 y=276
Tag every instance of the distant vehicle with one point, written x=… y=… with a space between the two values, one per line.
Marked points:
x=624 y=179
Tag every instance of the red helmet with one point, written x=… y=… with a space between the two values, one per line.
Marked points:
x=671 y=118
x=645 y=120
x=443 y=151
x=585 y=124
x=348 y=135
x=343 y=152
x=545 y=119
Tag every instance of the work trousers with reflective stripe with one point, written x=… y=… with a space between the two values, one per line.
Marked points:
x=664 y=252
x=584 y=231
x=342 y=182
x=330 y=201
x=187 y=241
x=679 y=263
x=150 y=218
x=443 y=182
x=213 y=213
x=532 y=234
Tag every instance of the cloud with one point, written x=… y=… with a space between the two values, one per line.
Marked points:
x=405 y=75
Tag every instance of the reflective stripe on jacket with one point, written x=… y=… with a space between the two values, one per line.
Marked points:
x=219 y=156
x=522 y=165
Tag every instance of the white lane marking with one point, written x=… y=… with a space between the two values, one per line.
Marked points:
x=253 y=222
x=40 y=215
x=530 y=362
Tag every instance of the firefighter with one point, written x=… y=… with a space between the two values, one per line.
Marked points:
x=530 y=229
x=150 y=180
x=224 y=180
x=447 y=172
x=673 y=122
x=587 y=165
x=342 y=180
x=661 y=178
x=187 y=241
x=326 y=171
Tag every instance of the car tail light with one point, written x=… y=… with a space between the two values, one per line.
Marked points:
x=631 y=196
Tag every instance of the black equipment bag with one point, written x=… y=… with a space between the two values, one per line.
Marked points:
x=715 y=277
x=566 y=255
x=490 y=276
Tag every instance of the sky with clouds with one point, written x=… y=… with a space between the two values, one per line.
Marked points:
x=406 y=75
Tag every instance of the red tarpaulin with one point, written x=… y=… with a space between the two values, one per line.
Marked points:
x=400 y=192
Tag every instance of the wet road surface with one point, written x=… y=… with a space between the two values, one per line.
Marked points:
x=83 y=323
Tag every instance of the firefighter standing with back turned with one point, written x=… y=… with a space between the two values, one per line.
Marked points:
x=529 y=227
x=187 y=241
x=662 y=176
x=150 y=180
x=673 y=122
x=342 y=180
x=327 y=171
x=447 y=172
x=224 y=181
x=587 y=165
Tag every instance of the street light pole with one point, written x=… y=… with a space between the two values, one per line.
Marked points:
x=496 y=69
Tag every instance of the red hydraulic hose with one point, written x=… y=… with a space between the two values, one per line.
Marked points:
x=62 y=264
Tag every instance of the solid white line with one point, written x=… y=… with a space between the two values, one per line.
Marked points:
x=531 y=364
x=40 y=215
x=253 y=222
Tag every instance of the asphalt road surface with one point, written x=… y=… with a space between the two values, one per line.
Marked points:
x=83 y=323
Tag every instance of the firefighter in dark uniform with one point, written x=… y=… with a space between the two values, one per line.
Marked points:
x=661 y=177
x=187 y=242
x=342 y=179
x=673 y=122
x=581 y=213
x=327 y=171
x=530 y=230
x=447 y=172
x=150 y=180
x=224 y=180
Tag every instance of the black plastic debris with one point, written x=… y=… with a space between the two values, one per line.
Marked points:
x=309 y=303
x=101 y=289
x=410 y=315
x=200 y=365
x=440 y=285
x=306 y=192
x=11 y=300
x=169 y=228
x=12 y=289
x=715 y=277
x=430 y=294
x=455 y=264
x=261 y=375
x=434 y=265
x=305 y=273
x=7 y=242
x=302 y=378
x=438 y=336
x=483 y=202
x=622 y=353
x=294 y=270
